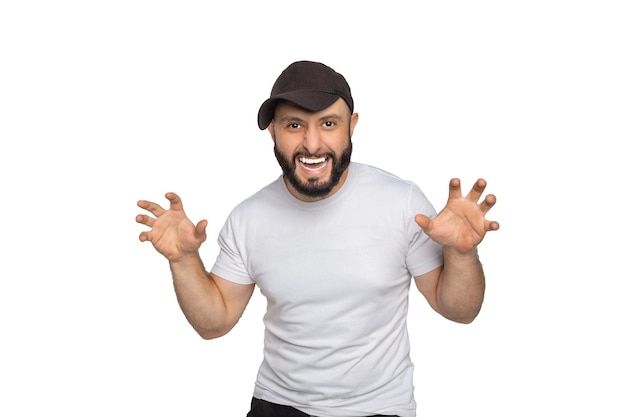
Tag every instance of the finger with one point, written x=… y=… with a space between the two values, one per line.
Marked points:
x=145 y=236
x=175 y=201
x=201 y=230
x=455 y=188
x=477 y=190
x=488 y=203
x=422 y=221
x=143 y=219
x=153 y=208
x=491 y=225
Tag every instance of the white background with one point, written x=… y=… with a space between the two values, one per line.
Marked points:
x=105 y=103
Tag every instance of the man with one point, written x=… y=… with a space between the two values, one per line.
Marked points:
x=333 y=245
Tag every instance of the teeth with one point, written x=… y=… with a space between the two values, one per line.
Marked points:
x=312 y=160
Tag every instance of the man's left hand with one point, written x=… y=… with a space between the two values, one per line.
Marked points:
x=461 y=224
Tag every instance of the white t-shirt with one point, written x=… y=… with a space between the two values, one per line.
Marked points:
x=336 y=274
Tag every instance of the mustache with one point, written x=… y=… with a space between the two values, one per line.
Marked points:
x=308 y=155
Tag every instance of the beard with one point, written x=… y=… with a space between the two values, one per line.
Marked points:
x=314 y=188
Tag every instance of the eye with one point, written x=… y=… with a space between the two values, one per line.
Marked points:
x=328 y=123
x=293 y=125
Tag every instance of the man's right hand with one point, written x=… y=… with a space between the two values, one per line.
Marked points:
x=172 y=234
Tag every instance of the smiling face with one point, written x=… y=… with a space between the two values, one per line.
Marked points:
x=313 y=148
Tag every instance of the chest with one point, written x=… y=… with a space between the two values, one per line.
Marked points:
x=328 y=257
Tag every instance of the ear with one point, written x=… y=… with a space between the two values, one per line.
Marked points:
x=354 y=119
x=270 y=128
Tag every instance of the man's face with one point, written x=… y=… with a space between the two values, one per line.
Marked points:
x=313 y=149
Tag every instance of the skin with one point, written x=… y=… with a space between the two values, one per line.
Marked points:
x=297 y=132
x=456 y=290
x=213 y=305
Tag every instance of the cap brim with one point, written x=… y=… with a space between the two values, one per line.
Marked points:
x=308 y=100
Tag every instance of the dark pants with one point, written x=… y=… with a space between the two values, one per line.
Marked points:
x=262 y=408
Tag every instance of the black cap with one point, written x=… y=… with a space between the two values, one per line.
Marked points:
x=311 y=85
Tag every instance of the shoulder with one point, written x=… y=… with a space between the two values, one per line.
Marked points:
x=265 y=202
x=389 y=189
x=270 y=193
x=368 y=176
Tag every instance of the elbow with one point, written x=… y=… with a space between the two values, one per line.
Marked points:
x=463 y=310
x=465 y=317
x=463 y=320
x=208 y=333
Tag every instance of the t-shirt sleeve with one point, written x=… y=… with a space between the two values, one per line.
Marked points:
x=423 y=254
x=230 y=263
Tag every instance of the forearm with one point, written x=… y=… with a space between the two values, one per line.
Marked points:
x=199 y=297
x=461 y=287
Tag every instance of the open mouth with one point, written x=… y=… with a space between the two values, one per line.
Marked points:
x=313 y=164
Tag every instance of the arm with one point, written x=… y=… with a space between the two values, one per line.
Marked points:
x=456 y=290
x=211 y=304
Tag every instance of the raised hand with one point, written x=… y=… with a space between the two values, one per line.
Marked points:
x=172 y=234
x=461 y=224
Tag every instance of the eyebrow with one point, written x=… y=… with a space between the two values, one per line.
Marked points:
x=292 y=118
x=289 y=118
x=331 y=116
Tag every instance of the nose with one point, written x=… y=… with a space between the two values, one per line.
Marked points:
x=312 y=140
